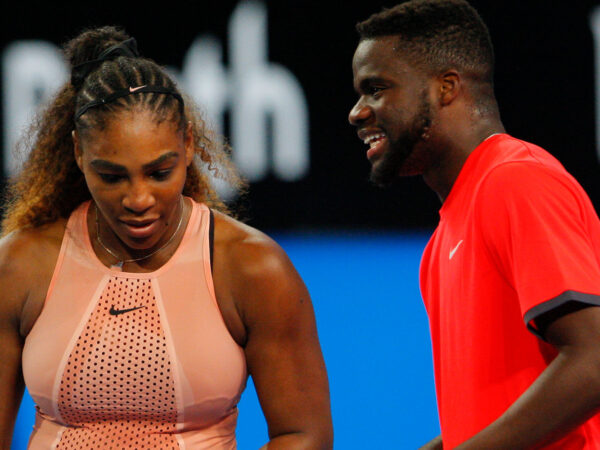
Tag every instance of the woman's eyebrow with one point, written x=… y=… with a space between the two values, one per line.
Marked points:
x=160 y=160
x=107 y=165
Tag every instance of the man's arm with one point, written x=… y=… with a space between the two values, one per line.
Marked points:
x=564 y=396
x=434 y=444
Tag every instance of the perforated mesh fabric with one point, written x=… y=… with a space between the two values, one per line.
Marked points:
x=118 y=379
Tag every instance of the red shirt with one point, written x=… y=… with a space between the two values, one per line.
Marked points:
x=517 y=237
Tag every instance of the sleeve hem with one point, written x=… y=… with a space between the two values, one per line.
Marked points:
x=567 y=296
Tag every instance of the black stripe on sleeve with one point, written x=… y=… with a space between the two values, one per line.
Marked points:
x=568 y=301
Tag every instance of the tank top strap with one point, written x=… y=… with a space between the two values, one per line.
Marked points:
x=76 y=243
x=195 y=245
x=77 y=220
x=198 y=225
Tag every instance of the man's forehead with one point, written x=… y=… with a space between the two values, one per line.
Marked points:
x=381 y=43
x=377 y=54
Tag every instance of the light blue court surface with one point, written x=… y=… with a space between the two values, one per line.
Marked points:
x=374 y=334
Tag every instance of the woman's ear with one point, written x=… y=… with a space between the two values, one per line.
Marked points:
x=189 y=144
x=77 y=149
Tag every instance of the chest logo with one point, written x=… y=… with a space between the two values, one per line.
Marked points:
x=453 y=251
x=116 y=312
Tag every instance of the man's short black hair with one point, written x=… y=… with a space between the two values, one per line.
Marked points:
x=436 y=35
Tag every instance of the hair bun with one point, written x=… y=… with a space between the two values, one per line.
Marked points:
x=90 y=44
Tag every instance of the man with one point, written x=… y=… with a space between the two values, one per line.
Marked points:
x=511 y=276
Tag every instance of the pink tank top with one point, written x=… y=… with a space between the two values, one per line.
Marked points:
x=133 y=360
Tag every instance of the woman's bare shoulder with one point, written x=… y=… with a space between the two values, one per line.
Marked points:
x=31 y=245
x=252 y=261
x=239 y=244
x=230 y=230
x=255 y=281
x=27 y=260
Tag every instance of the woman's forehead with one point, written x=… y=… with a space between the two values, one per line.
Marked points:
x=131 y=122
x=130 y=134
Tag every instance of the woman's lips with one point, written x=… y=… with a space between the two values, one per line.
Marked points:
x=142 y=230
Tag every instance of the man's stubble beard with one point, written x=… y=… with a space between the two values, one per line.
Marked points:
x=399 y=160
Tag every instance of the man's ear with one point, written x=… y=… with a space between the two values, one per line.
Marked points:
x=77 y=149
x=449 y=86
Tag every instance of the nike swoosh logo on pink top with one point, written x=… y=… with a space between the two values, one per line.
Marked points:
x=116 y=312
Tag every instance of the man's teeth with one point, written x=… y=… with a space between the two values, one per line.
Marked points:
x=373 y=138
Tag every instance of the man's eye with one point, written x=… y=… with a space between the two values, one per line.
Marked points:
x=373 y=90
x=161 y=175
x=110 y=177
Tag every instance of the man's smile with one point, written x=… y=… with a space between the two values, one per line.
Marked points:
x=375 y=141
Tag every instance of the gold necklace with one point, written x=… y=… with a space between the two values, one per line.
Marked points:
x=121 y=261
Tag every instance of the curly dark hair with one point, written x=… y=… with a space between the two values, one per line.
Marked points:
x=50 y=185
x=437 y=35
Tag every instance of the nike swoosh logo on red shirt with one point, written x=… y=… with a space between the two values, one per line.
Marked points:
x=453 y=251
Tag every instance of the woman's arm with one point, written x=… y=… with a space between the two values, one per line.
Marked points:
x=27 y=261
x=280 y=340
x=12 y=296
x=11 y=379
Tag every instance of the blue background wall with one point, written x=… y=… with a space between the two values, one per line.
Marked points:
x=374 y=334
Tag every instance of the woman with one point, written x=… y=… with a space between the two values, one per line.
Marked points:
x=136 y=305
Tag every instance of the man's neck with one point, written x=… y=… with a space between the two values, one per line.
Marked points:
x=441 y=177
